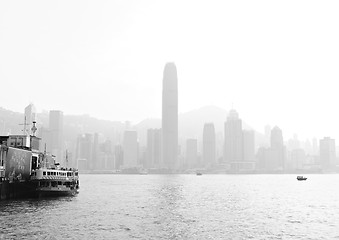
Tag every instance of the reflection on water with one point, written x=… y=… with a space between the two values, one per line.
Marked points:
x=181 y=207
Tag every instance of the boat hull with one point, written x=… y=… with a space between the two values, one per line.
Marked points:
x=30 y=189
x=55 y=193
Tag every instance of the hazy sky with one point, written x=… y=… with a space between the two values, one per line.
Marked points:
x=276 y=61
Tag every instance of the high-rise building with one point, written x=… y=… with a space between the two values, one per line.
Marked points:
x=170 y=117
x=297 y=159
x=278 y=149
x=248 y=146
x=153 y=155
x=268 y=130
x=106 y=156
x=233 y=147
x=315 y=146
x=96 y=161
x=30 y=116
x=327 y=153
x=191 y=153
x=209 y=146
x=293 y=143
x=84 y=151
x=118 y=156
x=56 y=124
x=130 y=148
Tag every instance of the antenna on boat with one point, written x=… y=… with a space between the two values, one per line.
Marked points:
x=45 y=155
x=66 y=158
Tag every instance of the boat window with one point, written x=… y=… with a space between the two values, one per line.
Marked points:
x=48 y=173
x=44 y=173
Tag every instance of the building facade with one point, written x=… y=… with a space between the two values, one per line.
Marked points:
x=170 y=117
x=130 y=149
x=233 y=146
x=209 y=145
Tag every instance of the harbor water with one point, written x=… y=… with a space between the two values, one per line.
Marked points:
x=181 y=207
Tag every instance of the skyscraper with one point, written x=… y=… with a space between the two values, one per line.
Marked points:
x=84 y=151
x=30 y=116
x=233 y=147
x=209 y=147
x=153 y=155
x=248 y=146
x=278 y=149
x=56 y=124
x=95 y=160
x=327 y=153
x=170 y=117
x=130 y=148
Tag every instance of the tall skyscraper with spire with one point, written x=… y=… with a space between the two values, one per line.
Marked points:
x=170 y=117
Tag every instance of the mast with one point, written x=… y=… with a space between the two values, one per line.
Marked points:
x=25 y=124
x=66 y=158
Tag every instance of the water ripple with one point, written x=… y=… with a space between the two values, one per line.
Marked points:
x=181 y=207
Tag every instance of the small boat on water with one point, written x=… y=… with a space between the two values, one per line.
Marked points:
x=301 y=178
x=199 y=173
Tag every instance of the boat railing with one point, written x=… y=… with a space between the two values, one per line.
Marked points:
x=52 y=177
x=54 y=174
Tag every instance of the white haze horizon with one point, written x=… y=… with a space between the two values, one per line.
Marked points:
x=276 y=63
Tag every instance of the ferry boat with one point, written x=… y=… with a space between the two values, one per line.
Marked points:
x=25 y=171
x=301 y=178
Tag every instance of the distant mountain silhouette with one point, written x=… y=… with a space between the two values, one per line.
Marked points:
x=191 y=124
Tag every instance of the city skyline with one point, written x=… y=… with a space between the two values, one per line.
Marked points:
x=157 y=119
x=241 y=150
x=276 y=69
